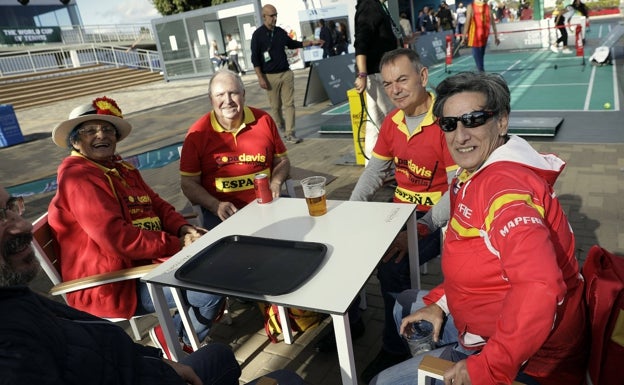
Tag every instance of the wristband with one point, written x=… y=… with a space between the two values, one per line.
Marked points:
x=362 y=74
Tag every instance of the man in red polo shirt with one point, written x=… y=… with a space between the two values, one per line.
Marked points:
x=411 y=141
x=226 y=148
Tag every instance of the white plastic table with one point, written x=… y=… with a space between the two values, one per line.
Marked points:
x=356 y=235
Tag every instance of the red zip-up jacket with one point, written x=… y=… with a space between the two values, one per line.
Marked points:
x=511 y=280
x=107 y=219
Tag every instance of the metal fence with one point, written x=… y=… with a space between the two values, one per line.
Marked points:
x=78 y=34
x=33 y=61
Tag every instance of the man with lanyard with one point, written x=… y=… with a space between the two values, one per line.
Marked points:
x=268 y=56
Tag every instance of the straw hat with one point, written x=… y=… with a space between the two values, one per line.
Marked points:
x=100 y=109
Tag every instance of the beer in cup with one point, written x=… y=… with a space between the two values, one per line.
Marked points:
x=314 y=192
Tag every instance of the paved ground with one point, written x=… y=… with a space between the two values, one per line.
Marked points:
x=591 y=189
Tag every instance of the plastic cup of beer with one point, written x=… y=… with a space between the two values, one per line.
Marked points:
x=419 y=337
x=314 y=192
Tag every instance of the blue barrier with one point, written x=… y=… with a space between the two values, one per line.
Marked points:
x=10 y=132
x=147 y=160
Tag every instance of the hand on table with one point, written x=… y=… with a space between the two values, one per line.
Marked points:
x=226 y=210
x=276 y=189
x=189 y=234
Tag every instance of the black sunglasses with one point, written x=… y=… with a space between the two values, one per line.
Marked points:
x=470 y=120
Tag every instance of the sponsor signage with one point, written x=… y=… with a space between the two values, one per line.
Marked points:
x=30 y=35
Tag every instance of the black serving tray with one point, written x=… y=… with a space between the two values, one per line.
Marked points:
x=253 y=264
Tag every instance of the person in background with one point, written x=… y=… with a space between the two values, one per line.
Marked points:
x=406 y=26
x=226 y=148
x=326 y=37
x=268 y=55
x=232 y=48
x=43 y=341
x=445 y=17
x=477 y=30
x=374 y=36
x=508 y=308
x=98 y=190
x=560 y=26
x=342 y=38
x=581 y=8
x=428 y=21
x=460 y=19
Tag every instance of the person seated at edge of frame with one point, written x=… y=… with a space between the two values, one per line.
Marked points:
x=106 y=218
x=226 y=148
x=409 y=140
x=43 y=341
x=511 y=304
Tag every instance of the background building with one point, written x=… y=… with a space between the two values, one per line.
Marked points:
x=38 y=13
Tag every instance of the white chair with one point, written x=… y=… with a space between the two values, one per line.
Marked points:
x=434 y=367
x=44 y=246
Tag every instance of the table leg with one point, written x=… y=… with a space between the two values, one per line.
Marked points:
x=183 y=311
x=285 y=324
x=412 y=245
x=166 y=321
x=345 y=348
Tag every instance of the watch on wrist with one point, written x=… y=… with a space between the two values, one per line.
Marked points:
x=362 y=74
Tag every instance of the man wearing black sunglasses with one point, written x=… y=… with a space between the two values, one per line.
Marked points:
x=512 y=285
x=410 y=141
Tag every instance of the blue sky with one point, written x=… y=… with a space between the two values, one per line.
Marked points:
x=99 y=12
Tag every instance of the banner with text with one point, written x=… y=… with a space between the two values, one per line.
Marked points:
x=30 y=35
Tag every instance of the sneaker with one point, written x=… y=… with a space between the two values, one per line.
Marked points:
x=158 y=338
x=383 y=361
x=327 y=344
x=554 y=48
x=566 y=50
x=293 y=139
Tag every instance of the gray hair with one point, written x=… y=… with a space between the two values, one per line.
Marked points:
x=226 y=72
x=391 y=56
x=492 y=86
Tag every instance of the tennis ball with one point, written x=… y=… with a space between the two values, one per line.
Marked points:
x=607 y=106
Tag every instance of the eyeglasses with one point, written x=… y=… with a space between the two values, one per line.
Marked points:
x=15 y=205
x=93 y=130
x=470 y=120
x=272 y=15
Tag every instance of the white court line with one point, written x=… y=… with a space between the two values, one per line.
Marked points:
x=589 y=89
x=511 y=66
x=616 y=96
x=550 y=85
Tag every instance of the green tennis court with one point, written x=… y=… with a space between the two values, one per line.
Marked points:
x=546 y=87
x=541 y=80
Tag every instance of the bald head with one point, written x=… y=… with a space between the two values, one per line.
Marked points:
x=226 y=74
x=269 y=16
